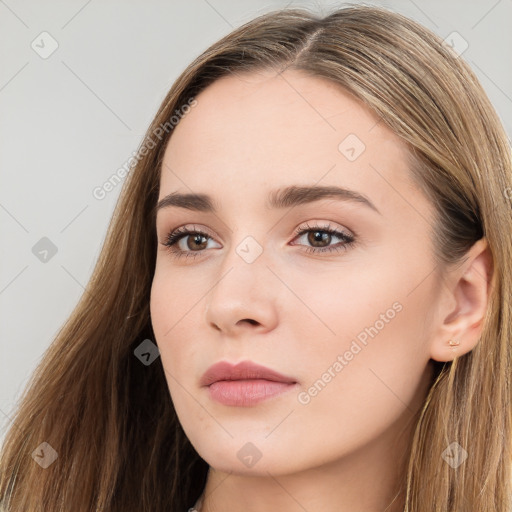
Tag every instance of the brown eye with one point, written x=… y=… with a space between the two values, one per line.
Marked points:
x=320 y=237
x=194 y=245
x=195 y=240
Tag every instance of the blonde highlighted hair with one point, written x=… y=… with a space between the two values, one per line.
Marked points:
x=111 y=420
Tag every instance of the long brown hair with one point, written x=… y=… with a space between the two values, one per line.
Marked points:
x=110 y=418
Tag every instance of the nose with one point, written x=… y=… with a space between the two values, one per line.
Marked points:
x=244 y=298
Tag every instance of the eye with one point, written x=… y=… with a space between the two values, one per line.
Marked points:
x=320 y=237
x=174 y=242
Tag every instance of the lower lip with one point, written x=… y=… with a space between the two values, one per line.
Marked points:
x=246 y=392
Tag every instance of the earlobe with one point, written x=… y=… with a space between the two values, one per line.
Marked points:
x=468 y=287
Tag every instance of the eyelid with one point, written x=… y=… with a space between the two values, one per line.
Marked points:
x=191 y=227
x=321 y=225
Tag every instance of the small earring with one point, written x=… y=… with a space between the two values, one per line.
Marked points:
x=453 y=344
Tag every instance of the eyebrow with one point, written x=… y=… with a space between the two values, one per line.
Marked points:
x=280 y=198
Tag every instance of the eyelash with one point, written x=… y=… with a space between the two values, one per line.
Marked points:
x=175 y=236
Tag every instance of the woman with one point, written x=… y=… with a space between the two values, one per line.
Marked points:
x=214 y=361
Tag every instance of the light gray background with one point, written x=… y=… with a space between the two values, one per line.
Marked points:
x=70 y=120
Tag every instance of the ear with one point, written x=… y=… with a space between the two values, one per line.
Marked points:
x=463 y=304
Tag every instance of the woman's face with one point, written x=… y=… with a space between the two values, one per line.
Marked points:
x=347 y=315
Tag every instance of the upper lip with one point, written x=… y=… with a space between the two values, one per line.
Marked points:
x=224 y=370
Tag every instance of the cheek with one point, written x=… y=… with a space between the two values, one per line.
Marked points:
x=167 y=316
x=173 y=300
x=369 y=364
x=355 y=401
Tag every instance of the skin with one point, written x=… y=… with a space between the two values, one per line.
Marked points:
x=295 y=311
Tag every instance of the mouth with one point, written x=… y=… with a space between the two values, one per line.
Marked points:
x=244 y=384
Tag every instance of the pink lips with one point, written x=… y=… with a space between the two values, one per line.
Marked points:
x=244 y=384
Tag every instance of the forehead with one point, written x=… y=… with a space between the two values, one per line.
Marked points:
x=264 y=130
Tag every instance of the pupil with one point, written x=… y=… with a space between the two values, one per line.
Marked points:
x=319 y=236
x=197 y=239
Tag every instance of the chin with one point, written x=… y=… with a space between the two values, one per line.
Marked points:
x=256 y=456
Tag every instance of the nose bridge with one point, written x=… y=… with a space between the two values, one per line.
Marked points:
x=248 y=249
x=244 y=264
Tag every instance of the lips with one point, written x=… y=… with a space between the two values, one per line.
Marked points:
x=246 y=370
